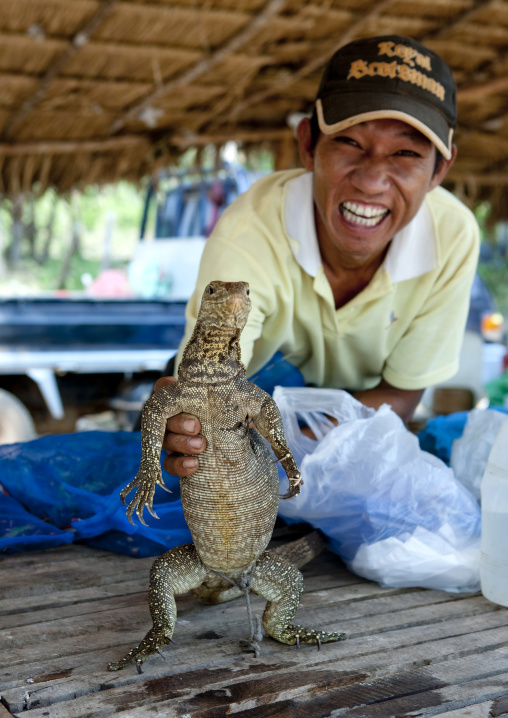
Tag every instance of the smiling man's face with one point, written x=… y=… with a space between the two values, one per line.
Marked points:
x=369 y=182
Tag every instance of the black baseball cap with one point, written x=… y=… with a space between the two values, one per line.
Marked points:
x=389 y=77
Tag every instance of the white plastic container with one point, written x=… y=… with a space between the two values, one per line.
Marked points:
x=494 y=541
x=493 y=355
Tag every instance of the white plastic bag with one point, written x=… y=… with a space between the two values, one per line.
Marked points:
x=393 y=512
x=470 y=453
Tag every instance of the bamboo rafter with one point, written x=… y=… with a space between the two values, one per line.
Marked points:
x=114 y=144
x=318 y=62
x=156 y=77
x=272 y=8
x=79 y=39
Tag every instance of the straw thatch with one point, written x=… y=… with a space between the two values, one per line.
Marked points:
x=97 y=90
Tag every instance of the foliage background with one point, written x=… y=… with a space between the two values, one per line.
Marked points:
x=90 y=211
x=86 y=214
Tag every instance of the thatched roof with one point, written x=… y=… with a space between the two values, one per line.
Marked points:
x=96 y=90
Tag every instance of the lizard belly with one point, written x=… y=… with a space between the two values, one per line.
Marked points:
x=230 y=503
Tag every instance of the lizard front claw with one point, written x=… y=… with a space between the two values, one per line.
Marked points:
x=295 y=484
x=127 y=489
x=144 y=495
x=138 y=504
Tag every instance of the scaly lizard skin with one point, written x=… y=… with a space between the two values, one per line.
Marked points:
x=230 y=503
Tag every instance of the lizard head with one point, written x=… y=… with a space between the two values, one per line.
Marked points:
x=225 y=304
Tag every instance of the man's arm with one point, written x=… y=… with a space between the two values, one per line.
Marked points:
x=403 y=402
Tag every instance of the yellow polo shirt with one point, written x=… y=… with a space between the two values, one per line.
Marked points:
x=405 y=326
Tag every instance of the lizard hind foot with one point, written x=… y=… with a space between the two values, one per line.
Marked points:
x=295 y=635
x=153 y=642
x=118 y=665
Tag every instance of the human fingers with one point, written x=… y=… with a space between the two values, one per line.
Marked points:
x=179 y=465
x=182 y=435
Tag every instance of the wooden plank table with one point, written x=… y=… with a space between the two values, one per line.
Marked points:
x=64 y=613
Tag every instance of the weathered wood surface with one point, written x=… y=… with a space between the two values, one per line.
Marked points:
x=65 y=613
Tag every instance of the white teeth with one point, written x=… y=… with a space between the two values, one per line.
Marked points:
x=364 y=210
x=362 y=214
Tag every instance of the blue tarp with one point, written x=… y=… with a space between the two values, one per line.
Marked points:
x=439 y=434
x=67 y=487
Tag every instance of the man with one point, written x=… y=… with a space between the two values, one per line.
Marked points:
x=360 y=265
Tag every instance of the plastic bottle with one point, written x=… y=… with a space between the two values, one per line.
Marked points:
x=494 y=541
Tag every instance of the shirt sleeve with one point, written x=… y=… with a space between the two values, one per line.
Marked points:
x=428 y=353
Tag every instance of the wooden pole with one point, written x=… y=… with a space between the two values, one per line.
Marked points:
x=286 y=155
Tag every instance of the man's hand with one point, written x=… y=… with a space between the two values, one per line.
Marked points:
x=182 y=437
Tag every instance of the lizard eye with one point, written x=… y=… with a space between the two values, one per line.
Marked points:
x=211 y=290
x=248 y=292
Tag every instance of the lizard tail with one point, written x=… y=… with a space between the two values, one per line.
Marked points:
x=302 y=550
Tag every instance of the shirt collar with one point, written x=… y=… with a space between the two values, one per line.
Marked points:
x=412 y=251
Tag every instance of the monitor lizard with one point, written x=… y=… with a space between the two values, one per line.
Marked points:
x=230 y=503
